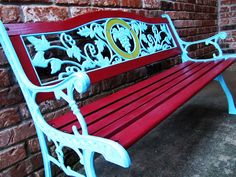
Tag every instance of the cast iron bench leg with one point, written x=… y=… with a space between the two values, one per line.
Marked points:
x=89 y=163
x=230 y=99
x=45 y=153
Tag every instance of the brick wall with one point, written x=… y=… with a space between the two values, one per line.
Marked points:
x=227 y=22
x=19 y=149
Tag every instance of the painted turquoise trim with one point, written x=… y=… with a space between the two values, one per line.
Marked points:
x=83 y=144
x=230 y=99
x=211 y=40
x=110 y=41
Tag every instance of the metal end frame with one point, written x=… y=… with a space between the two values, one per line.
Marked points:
x=83 y=144
x=230 y=99
x=214 y=40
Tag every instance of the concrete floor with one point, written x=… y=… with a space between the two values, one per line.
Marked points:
x=198 y=140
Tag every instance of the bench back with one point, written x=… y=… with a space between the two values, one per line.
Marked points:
x=103 y=44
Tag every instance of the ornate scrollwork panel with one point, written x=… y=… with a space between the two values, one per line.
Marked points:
x=94 y=45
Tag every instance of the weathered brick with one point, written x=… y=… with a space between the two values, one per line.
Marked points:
x=41 y=13
x=82 y=10
x=25 y=167
x=12 y=155
x=9 y=96
x=103 y=3
x=73 y=2
x=33 y=145
x=5 y=80
x=8 y=117
x=10 y=14
x=17 y=133
x=132 y=3
x=151 y=4
x=3 y=59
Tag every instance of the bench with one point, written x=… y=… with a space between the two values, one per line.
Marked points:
x=53 y=59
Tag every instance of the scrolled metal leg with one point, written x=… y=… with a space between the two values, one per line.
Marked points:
x=44 y=149
x=89 y=163
x=230 y=99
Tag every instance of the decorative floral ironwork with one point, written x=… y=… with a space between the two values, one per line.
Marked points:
x=107 y=42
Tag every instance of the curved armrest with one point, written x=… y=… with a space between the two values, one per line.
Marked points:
x=211 y=40
x=80 y=143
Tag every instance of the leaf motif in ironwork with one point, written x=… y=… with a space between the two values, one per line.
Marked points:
x=55 y=65
x=100 y=45
x=39 y=60
x=39 y=44
x=85 y=31
x=142 y=26
x=74 y=51
x=99 y=31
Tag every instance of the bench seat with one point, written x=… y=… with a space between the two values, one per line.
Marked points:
x=129 y=114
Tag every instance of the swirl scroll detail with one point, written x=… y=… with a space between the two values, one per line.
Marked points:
x=95 y=45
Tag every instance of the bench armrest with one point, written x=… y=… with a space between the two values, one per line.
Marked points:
x=82 y=145
x=213 y=40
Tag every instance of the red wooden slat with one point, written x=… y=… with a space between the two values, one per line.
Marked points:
x=120 y=108
x=136 y=114
x=154 y=117
x=28 y=28
x=100 y=104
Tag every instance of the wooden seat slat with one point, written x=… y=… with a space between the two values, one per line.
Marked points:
x=136 y=114
x=138 y=98
x=106 y=120
x=106 y=101
x=146 y=123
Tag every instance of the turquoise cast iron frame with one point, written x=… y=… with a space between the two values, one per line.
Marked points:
x=76 y=79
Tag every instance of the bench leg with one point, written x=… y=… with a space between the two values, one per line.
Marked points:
x=44 y=149
x=230 y=99
x=89 y=163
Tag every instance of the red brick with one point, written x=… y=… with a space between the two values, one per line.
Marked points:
x=10 y=96
x=233 y=8
x=4 y=78
x=12 y=155
x=151 y=4
x=16 y=134
x=82 y=10
x=25 y=167
x=3 y=59
x=73 y=2
x=42 y=13
x=24 y=111
x=33 y=145
x=10 y=14
x=8 y=117
x=132 y=3
x=103 y=3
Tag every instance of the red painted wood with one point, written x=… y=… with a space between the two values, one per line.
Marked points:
x=134 y=100
x=14 y=30
x=149 y=121
x=142 y=115
x=126 y=111
x=114 y=70
x=104 y=102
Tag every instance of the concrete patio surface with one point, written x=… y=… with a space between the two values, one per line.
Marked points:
x=198 y=140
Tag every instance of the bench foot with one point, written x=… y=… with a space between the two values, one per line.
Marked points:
x=45 y=153
x=89 y=163
x=230 y=99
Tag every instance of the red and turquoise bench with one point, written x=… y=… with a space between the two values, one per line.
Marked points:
x=52 y=60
